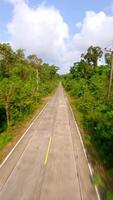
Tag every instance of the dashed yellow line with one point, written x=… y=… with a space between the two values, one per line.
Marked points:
x=47 y=152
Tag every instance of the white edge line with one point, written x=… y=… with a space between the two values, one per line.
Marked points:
x=35 y=118
x=89 y=166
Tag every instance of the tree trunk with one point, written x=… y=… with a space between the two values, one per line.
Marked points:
x=110 y=80
x=7 y=114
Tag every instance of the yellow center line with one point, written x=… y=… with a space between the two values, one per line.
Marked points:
x=47 y=152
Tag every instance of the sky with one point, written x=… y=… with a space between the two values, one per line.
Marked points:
x=58 y=31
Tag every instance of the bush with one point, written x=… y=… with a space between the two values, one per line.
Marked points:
x=109 y=196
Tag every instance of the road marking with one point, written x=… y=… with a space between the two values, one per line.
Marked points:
x=47 y=152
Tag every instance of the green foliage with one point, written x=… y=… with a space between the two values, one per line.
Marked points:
x=4 y=138
x=87 y=139
x=89 y=86
x=81 y=70
x=97 y=180
x=23 y=83
x=92 y=55
x=108 y=58
x=109 y=196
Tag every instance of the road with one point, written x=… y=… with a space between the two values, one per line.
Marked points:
x=49 y=162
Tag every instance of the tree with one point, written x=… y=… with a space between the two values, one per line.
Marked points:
x=81 y=70
x=109 y=62
x=36 y=63
x=108 y=58
x=89 y=93
x=6 y=91
x=23 y=82
x=7 y=59
x=52 y=71
x=92 y=55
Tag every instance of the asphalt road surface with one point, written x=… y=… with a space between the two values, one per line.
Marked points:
x=48 y=163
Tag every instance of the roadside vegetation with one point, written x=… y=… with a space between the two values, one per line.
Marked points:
x=24 y=81
x=88 y=86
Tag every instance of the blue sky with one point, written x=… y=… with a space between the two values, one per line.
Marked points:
x=72 y=36
x=71 y=10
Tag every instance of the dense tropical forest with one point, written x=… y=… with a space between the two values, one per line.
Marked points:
x=24 y=81
x=89 y=85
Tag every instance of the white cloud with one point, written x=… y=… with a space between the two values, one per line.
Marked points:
x=97 y=29
x=78 y=24
x=40 y=30
x=44 y=32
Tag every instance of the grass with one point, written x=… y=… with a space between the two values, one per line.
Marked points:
x=109 y=196
x=4 y=138
x=97 y=180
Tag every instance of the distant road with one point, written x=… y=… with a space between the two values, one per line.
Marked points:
x=49 y=162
